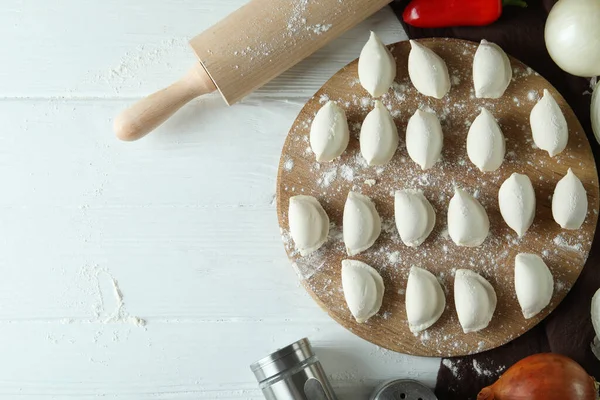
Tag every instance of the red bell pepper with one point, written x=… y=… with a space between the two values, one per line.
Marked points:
x=444 y=13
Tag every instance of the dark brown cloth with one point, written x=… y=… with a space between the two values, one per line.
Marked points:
x=568 y=330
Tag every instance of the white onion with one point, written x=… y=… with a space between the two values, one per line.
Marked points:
x=595 y=111
x=573 y=36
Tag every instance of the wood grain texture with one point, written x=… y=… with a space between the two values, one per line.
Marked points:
x=195 y=253
x=144 y=116
x=262 y=39
x=183 y=220
x=145 y=49
x=564 y=251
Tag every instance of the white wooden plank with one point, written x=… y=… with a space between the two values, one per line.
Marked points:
x=128 y=49
x=165 y=218
x=184 y=220
x=195 y=255
x=181 y=361
x=64 y=153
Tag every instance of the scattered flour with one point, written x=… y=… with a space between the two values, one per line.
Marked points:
x=347 y=172
x=394 y=257
x=328 y=177
x=560 y=241
x=545 y=253
x=109 y=307
x=532 y=95
x=481 y=371
x=288 y=165
x=365 y=102
x=323 y=99
x=451 y=366
x=319 y=28
x=330 y=183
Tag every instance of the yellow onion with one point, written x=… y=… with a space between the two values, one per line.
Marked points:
x=544 y=376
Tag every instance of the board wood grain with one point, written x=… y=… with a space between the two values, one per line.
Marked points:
x=564 y=251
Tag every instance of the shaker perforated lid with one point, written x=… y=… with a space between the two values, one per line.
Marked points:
x=403 y=389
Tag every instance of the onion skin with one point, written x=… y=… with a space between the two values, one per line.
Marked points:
x=572 y=35
x=544 y=376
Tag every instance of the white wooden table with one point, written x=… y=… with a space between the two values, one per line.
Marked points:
x=183 y=222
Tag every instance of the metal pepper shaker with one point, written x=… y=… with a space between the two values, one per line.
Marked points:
x=293 y=373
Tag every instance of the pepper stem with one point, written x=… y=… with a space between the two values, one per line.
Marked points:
x=518 y=3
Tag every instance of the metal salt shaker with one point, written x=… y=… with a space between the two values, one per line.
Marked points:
x=402 y=389
x=293 y=373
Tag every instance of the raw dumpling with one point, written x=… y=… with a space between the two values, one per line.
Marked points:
x=485 y=142
x=329 y=133
x=595 y=314
x=424 y=139
x=533 y=283
x=428 y=72
x=362 y=224
x=468 y=223
x=425 y=299
x=475 y=300
x=569 y=202
x=376 y=67
x=378 y=136
x=492 y=71
x=516 y=199
x=415 y=217
x=363 y=289
x=548 y=125
x=309 y=223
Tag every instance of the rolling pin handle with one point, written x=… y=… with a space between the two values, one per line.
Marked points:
x=147 y=114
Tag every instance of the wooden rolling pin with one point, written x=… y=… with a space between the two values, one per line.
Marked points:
x=244 y=51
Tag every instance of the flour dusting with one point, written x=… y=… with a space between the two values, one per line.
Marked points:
x=297 y=21
x=330 y=183
x=109 y=307
x=288 y=165
x=560 y=241
x=453 y=367
x=481 y=371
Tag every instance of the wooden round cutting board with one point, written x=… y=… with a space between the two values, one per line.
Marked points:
x=563 y=251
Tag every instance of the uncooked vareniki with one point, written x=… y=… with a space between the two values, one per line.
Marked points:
x=595 y=316
x=309 y=223
x=492 y=71
x=475 y=300
x=424 y=139
x=378 y=136
x=569 y=202
x=415 y=217
x=485 y=142
x=533 y=284
x=363 y=289
x=516 y=199
x=425 y=299
x=468 y=222
x=362 y=224
x=329 y=133
x=548 y=125
x=428 y=72
x=376 y=67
